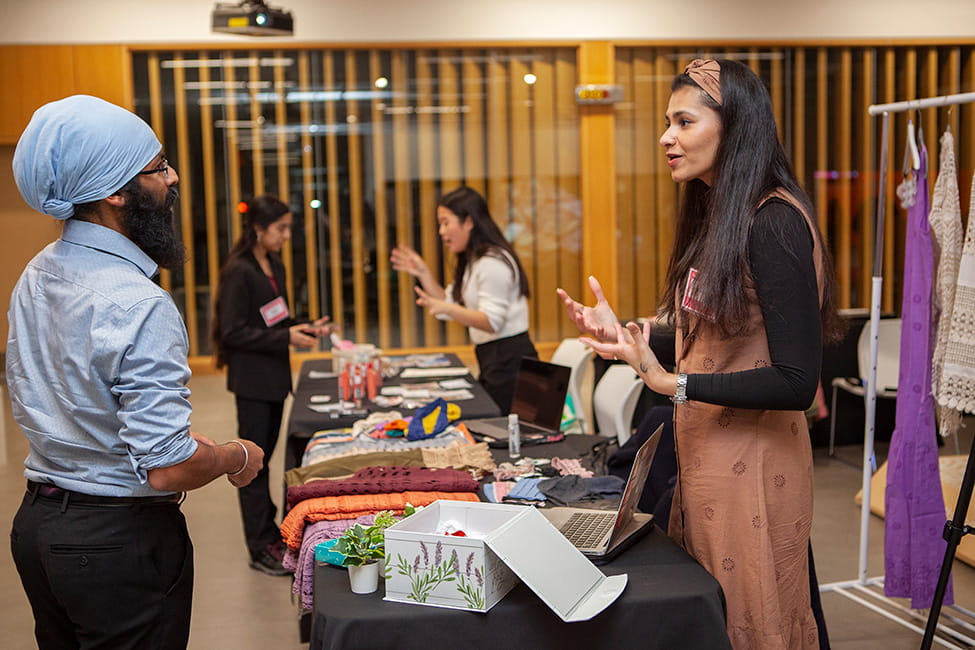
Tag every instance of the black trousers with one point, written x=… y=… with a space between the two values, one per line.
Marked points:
x=499 y=361
x=259 y=422
x=105 y=576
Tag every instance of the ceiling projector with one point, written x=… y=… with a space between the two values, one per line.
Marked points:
x=252 y=18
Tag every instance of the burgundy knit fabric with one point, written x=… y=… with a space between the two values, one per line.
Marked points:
x=379 y=480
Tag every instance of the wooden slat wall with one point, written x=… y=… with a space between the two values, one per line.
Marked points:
x=628 y=213
x=567 y=184
x=889 y=94
x=427 y=168
x=283 y=190
x=402 y=145
x=466 y=115
x=356 y=199
x=190 y=312
x=864 y=161
x=233 y=144
x=334 y=212
x=383 y=267
x=209 y=182
x=543 y=138
x=524 y=217
x=308 y=194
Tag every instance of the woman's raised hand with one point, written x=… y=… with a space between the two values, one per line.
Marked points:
x=408 y=260
x=598 y=321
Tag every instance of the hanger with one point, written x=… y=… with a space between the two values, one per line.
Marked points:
x=915 y=156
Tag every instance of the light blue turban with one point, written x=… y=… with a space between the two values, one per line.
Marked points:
x=77 y=150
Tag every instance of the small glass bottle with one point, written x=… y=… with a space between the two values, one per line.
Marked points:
x=514 y=436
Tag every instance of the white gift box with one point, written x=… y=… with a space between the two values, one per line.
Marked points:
x=502 y=544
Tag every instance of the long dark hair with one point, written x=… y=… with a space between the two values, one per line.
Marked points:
x=485 y=238
x=713 y=224
x=260 y=211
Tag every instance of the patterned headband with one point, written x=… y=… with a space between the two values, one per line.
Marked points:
x=706 y=73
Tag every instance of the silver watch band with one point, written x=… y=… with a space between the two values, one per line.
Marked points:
x=680 y=395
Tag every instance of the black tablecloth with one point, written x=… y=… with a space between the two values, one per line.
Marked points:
x=304 y=422
x=670 y=601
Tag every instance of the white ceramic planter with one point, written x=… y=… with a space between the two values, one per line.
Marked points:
x=364 y=579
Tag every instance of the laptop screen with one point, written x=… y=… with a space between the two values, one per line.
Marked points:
x=540 y=393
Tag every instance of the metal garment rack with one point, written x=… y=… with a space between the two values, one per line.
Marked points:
x=860 y=585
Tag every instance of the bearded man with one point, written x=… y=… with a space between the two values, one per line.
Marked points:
x=97 y=373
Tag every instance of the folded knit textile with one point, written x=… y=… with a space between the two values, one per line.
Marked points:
x=323 y=447
x=476 y=458
x=356 y=505
x=374 y=480
x=302 y=560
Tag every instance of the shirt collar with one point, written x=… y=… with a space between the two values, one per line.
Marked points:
x=101 y=238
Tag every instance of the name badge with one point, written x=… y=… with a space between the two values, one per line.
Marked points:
x=274 y=312
x=690 y=302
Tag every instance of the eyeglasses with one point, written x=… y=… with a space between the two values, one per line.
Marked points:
x=163 y=168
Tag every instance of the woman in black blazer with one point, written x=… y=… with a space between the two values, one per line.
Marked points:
x=253 y=330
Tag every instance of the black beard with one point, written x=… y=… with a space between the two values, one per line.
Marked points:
x=149 y=224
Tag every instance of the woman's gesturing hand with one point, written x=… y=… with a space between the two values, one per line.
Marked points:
x=632 y=345
x=408 y=260
x=598 y=321
x=300 y=338
x=434 y=306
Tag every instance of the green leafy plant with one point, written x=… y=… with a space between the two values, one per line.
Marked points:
x=364 y=544
x=358 y=547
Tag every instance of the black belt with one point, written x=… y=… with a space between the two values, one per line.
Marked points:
x=48 y=491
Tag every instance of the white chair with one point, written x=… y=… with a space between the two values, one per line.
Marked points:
x=614 y=401
x=888 y=366
x=577 y=356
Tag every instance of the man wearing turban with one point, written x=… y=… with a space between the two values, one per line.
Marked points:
x=97 y=372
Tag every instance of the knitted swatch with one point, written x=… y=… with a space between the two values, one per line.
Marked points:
x=374 y=480
x=356 y=505
x=956 y=382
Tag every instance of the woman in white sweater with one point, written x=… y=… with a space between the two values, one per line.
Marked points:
x=489 y=294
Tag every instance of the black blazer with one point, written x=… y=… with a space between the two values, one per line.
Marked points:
x=258 y=363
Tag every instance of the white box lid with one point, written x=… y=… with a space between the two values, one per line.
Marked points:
x=554 y=569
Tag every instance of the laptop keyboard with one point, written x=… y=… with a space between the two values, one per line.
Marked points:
x=586 y=529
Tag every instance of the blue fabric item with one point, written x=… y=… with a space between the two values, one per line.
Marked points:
x=526 y=488
x=489 y=492
x=415 y=431
x=324 y=553
x=605 y=487
x=96 y=366
x=78 y=150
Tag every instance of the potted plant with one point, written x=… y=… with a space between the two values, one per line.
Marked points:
x=364 y=548
x=362 y=556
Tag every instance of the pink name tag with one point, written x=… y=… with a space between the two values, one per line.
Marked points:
x=692 y=304
x=274 y=312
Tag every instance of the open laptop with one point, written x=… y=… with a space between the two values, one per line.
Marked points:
x=602 y=534
x=540 y=389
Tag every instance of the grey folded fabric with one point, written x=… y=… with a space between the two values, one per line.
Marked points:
x=566 y=489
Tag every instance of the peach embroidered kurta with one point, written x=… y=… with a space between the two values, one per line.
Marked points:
x=743 y=503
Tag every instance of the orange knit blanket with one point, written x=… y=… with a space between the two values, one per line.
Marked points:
x=354 y=505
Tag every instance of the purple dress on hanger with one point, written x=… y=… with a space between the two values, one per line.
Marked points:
x=915 y=510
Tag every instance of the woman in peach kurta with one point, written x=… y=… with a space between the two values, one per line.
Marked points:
x=749 y=293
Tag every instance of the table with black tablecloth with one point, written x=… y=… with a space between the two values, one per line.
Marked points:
x=303 y=422
x=670 y=601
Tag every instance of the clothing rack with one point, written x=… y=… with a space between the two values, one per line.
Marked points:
x=862 y=582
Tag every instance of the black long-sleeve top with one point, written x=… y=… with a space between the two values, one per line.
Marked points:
x=780 y=256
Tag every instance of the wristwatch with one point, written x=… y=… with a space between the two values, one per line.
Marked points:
x=680 y=395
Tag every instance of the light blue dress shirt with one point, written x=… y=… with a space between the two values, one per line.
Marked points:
x=96 y=365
